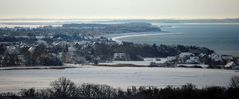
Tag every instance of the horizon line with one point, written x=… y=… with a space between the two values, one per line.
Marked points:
x=117 y=18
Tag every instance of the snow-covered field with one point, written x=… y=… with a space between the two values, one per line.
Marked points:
x=13 y=80
x=146 y=62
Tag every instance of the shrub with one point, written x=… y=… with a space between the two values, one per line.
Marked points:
x=28 y=92
x=9 y=95
x=96 y=91
x=214 y=92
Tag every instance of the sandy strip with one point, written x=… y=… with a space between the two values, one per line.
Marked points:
x=127 y=35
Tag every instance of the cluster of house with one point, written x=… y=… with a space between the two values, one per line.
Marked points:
x=121 y=57
x=228 y=60
x=214 y=60
x=187 y=59
x=17 y=53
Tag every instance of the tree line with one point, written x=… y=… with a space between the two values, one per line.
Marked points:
x=64 y=88
x=47 y=53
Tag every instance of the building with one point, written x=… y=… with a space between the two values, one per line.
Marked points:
x=193 y=60
x=121 y=57
x=215 y=57
x=184 y=56
x=230 y=64
x=227 y=57
x=171 y=59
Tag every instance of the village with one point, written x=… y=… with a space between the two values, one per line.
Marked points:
x=90 y=51
x=76 y=44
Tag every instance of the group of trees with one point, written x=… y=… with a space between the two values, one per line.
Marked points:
x=46 y=53
x=40 y=54
x=136 y=51
x=64 y=88
x=84 y=29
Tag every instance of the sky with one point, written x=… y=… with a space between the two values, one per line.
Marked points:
x=120 y=9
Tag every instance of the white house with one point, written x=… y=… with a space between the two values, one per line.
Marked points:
x=215 y=57
x=230 y=64
x=193 y=60
x=227 y=57
x=171 y=58
x=184 y=56
x=121 y=56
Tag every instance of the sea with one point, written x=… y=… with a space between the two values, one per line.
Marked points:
x=221 y=37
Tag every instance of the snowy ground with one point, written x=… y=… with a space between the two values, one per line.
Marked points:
x=14 y=80
x=146 y=62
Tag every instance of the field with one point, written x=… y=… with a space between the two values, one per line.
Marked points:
x=14 y=80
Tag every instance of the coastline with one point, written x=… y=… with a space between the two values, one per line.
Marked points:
x=137 y=34
x=118 y=38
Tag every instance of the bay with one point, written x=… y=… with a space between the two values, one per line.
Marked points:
x=221 y=37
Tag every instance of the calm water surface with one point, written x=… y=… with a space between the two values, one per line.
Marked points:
x=221 y=37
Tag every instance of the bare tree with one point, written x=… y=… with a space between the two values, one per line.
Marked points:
x=234 y=82
x=63 y=88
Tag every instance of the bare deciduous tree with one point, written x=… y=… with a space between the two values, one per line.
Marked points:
x=234 y=82
x=63 y=88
